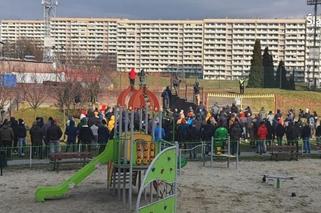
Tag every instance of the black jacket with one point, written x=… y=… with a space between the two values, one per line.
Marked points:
x=290 y=133
x=71 y=132
x=235 y=132
x=54 y=133
x=306 y=132
x=103 y=134
x=6 y=134
x=14 y=126
x=21 y=131
x=36 y=135
x=85 y=135
x=207 y=131
x=280 y=130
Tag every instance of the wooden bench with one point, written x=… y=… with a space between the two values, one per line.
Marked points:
x=57 y=158
x=289 y=151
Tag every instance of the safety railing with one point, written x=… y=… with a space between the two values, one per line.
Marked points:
x=193 y=150
x=163 y=144
x=29 y=154
x=206 y=150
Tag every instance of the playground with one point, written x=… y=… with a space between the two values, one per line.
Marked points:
x=138 y=171
x=200 y=189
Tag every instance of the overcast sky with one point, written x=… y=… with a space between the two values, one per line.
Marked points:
x=159 y=9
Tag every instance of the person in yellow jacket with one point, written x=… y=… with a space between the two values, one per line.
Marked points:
x=208 y=116
x=111 y=126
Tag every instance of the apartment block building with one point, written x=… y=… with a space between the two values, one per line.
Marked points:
x=217 y=48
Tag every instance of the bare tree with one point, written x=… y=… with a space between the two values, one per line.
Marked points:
x=67 y=94
x=4 y=97
x=4 y=100
x=93 y=73
x=25 y=46
x=35 y=93
x=90 y=76
x=18 y=91
x=106 y=63
x=22 y=47
x=67 y=91
x=93 y=89
x=8 y=49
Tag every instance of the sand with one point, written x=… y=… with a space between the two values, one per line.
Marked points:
x=201 y=189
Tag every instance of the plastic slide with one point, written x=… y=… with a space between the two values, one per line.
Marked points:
x=58 y=191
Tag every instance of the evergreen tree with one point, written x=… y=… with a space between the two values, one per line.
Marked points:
x=256 y=71
x=268 y=69
x=282 y=82
x=292 y=82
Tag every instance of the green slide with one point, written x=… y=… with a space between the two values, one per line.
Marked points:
x=58 y=191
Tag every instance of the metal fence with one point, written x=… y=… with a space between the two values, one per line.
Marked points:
x=29 y=154
x=192 y=150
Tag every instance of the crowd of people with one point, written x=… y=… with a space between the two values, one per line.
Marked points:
x=94 y=128
x=13 y=134
x=261 y=129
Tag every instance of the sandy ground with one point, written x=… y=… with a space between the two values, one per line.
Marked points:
x=201 y=189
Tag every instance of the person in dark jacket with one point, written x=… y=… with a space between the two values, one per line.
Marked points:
x=235 y=135
x=182 y=131
x=207 y=132
x=290 y=134
x=298 y=129
x=306 y=134
x=6 y=138
x=279 y=132
x=45 y=128
x=234 y=108
x=167 y=96
x=270 y=129
x=21 y=134
x=40 y=121
x=103 y=136
x=72 y=133
x=36 y=136
x=53 y=136
x=14 y=126
x=85 y=136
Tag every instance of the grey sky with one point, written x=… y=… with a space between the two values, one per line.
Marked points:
x=159 y=9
